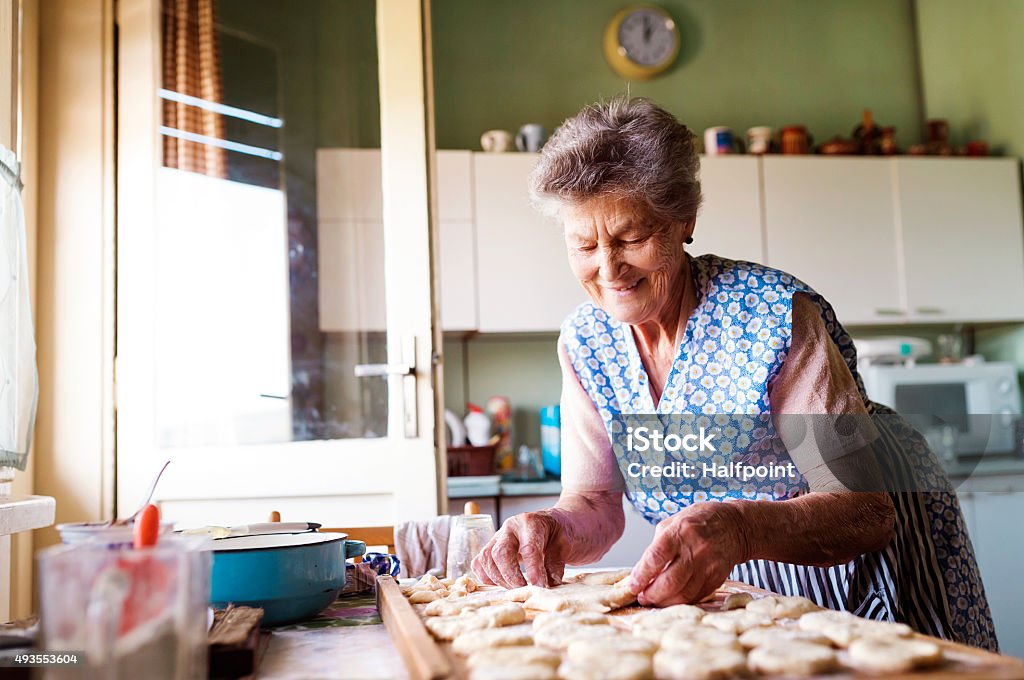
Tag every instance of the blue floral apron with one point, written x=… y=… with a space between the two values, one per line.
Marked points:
x=734 y=344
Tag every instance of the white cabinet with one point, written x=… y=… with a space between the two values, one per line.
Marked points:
x=963 y=246
x=830 y=222
x=994 y=526
x=729 y=222
x=456 y=240
x=900 y=240
x=351 y=240
x=524 y=281
x=885 y=240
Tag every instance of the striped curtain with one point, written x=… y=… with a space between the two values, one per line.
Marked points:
x=191 y=66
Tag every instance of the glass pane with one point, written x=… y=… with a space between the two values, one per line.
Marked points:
x=270 y=241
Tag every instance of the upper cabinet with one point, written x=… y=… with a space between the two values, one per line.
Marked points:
x=729 y=222
x=963 y=246
x=885 y=240
x=350 y=221
x=829 y=222
x=524 y=281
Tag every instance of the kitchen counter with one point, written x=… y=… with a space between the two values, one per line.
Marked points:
x=492 y=486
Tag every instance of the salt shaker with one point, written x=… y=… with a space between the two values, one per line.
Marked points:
x=469 y=534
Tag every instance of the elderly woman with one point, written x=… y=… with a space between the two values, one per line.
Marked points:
x=667 y=333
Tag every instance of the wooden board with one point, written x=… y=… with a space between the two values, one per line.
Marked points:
x=429 y=659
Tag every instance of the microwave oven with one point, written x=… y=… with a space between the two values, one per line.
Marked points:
x=978 y=404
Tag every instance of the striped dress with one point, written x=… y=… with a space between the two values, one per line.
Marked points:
x=735 y=342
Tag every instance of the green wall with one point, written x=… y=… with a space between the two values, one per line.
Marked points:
x=742 y=63
x=972 y=63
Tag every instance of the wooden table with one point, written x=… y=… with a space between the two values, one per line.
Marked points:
x=426 y=659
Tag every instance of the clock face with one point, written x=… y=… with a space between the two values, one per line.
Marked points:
x=647 y=37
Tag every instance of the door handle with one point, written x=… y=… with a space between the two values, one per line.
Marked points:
x=885 y=311
x=381 y=370
x=407 y=373
x=928 y=310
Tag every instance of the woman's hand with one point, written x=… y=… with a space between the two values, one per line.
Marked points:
x=535 y=538
x=691 y=555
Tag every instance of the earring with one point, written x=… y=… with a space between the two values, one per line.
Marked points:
x=689 y=240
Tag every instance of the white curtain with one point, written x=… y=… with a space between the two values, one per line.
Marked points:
x=19 y=383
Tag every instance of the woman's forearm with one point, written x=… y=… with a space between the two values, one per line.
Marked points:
x=591 y=523
x=819 y=529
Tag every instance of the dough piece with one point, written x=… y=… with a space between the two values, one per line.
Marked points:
x=490 y=616
x=825 y=617
x=601 y=650
x=736 y=621
x=447 y=582
x=842 y=628
x=450 y=607
x=762 y=637
x=446 y=627
x=514 y=656
x=424 y=596
x=476 y=640
x=622 y=667
x=601 y=578
x=782 y=606
x=792 y=658
x=883 y=655
x=585 y=618
x=736 y=601
x=464 y=585
x=561 y=634
x=496 y=615
x=429 y=582
x=529 y=671
x=521 y=594
x=711 y=663
x=652 y=625
x=686 y=638
x=580 y=597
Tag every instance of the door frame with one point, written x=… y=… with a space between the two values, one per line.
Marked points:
x=413 y=474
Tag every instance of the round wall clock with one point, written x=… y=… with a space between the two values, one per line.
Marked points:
x=641 y=41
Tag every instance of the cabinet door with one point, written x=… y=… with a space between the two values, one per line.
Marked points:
x=524 y=282
x=963 y=242
x=351 y=240
x=729 y=223
x=456 y=240
x=999 y=544
x=831 y=223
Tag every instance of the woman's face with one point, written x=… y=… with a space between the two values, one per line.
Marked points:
x=628 y=263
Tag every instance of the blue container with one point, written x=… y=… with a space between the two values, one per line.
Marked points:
x=551 y=439
x=293 y=577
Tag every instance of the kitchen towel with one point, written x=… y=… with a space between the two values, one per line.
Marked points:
x=422 y=545
x=19 y=383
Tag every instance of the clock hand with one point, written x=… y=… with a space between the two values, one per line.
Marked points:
x=647 y=29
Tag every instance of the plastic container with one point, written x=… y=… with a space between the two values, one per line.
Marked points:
x=478 y=426
x=133 y=613
x=551 y=439
x=113 y=536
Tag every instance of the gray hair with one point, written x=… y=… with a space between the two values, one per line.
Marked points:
x=624 y=148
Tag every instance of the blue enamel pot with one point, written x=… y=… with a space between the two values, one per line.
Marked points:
x=293 y=577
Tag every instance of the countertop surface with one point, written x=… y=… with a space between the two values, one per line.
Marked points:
x=494 y=485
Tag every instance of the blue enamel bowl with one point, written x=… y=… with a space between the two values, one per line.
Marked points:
x=293 y=577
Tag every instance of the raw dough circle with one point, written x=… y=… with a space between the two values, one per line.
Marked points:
x=476 y=640
x=712 y=663
x=514 y=656
x=880 y=655
x=623 y=667
x=560 y=634
x=792 y=658
x=601 y=649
